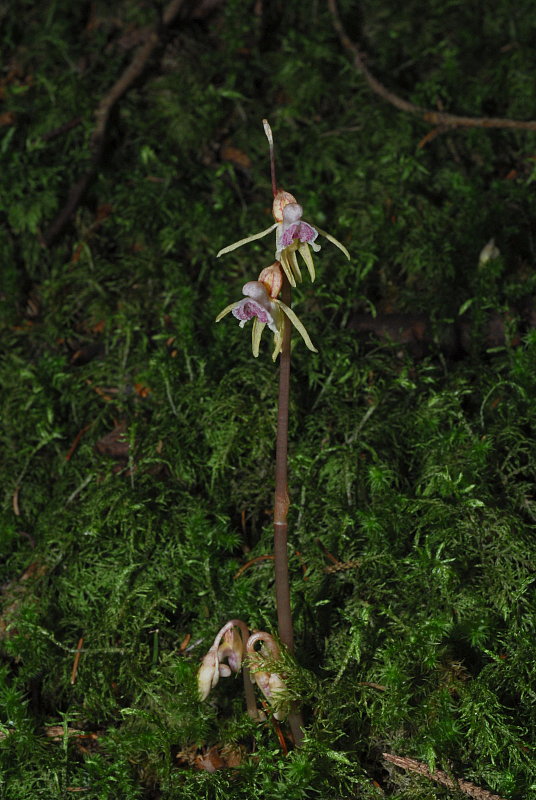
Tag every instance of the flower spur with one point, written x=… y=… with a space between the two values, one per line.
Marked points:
x=261 y=305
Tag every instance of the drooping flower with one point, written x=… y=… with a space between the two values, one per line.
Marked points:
x=228 y=645
x=292 y=234
x=208 y=674
x=270 y=683
x=261 y=305
x=231 y=649
x=488 y=253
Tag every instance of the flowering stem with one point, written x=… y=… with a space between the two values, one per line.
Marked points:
x=281 y=505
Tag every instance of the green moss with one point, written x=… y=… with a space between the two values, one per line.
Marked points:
x=414 y=471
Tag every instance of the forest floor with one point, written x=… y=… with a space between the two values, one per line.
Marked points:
x=137 y=436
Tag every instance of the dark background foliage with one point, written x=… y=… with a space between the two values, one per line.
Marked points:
x=137 y=436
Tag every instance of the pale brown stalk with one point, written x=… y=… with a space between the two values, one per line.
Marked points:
x=281 y=505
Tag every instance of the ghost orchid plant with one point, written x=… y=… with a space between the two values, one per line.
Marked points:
x=267 y=302
x=229 y=645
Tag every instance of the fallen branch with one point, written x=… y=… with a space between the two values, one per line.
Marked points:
x=418 y=334
x=441 y=777
x=432 y=117
x=108 y=103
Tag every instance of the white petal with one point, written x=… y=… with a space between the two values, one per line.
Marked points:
x=334 y=241
x=298 y=325
x=227 y=309
x=255 y=236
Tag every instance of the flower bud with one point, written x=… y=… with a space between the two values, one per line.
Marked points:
x=231 y=649
x=272 y=278
x=208 y=674
x=488 y=253
x=281 y=200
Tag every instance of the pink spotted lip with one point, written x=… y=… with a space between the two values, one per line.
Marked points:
x=250 y=308
x=294 y=227
x=298 y=230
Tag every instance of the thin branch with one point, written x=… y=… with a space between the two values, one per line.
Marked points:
x=441 y=777
x=432 y=117
x=102 y=114
x=61 y=129
x=250 y=563
x=74 y=671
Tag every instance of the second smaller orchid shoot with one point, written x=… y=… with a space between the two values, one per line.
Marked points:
x=233 y=643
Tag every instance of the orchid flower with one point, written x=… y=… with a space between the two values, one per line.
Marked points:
x=260 y=304
x=271 y=684
x=291 y=234
x=208 y=674
x=231 y=648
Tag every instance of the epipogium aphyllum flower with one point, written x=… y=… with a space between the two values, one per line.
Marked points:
x=270 y=683
x=233 y=646
x=229 y=645
x=292 y=234
x=261 y=305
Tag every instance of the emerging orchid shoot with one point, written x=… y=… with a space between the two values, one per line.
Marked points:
x=233 y=643
x=270 y=683
x=229 y=644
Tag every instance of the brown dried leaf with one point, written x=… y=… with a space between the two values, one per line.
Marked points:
x=210 y=759
x=115 y=444
x=235 y=156
x=142 y=390
x=7 y=118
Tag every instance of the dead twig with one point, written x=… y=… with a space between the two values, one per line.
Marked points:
x=76 y=442
x=441 y=777
x=437 y=118
x=248 y=564
x=61 y=129
x=371 y=685
x=341 y=566
x=15 y=501
x=76 y=660
x=326 y=552
x=108 y=103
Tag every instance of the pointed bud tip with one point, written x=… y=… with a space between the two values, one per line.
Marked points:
x=272 y=278
x=268 y=131
x=281 y=199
